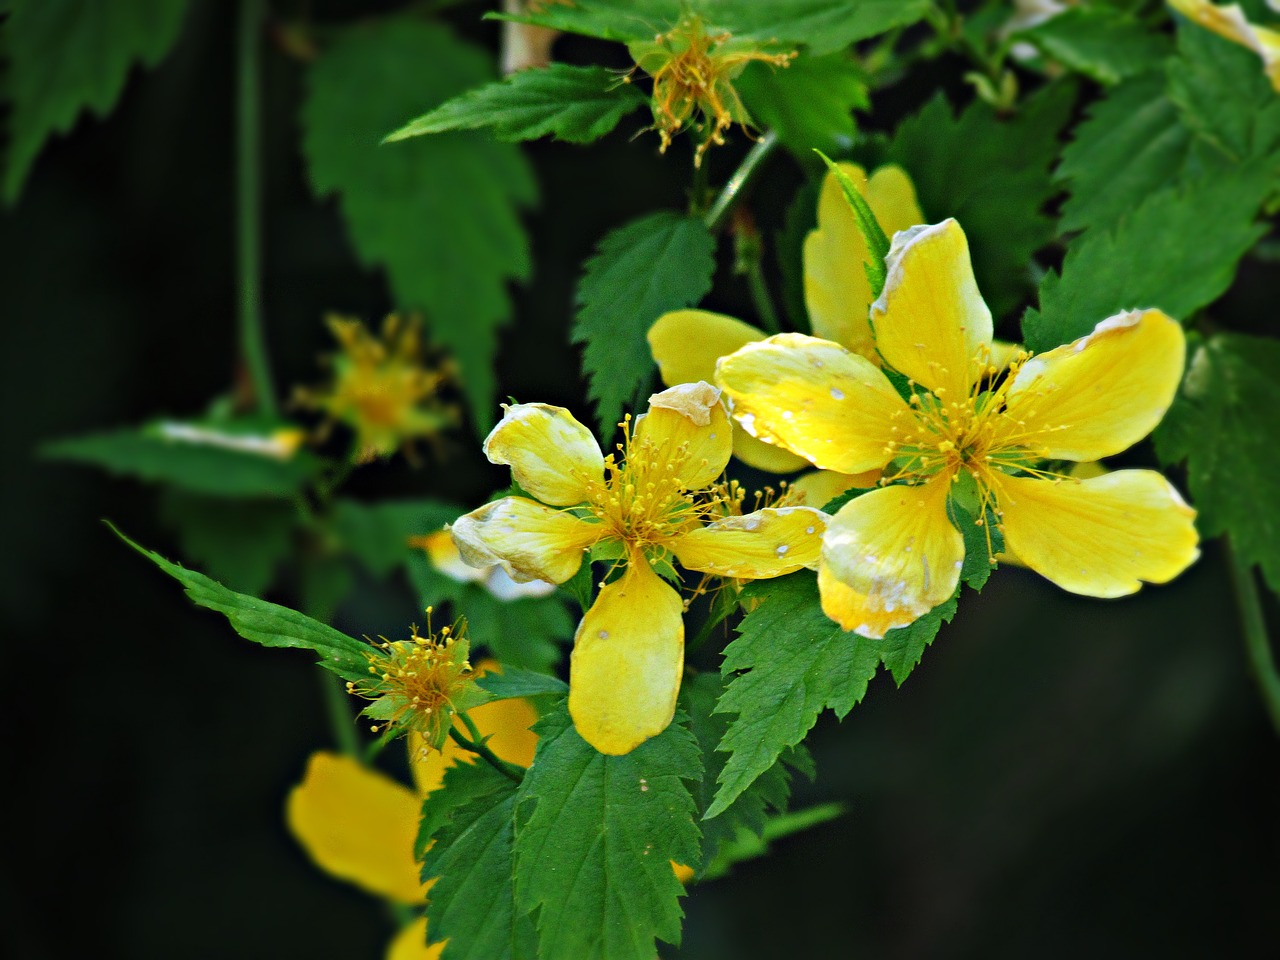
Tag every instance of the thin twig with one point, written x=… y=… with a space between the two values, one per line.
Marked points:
x=1257 y=643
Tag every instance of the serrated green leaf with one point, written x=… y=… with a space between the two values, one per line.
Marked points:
x=149 y=453
x=240 y=542
x=809 y=103
x=1100 y=42
x=1132 y=144
x=268 y=624
x=1177 y=251
x=65 y=56
x=872 y=233
x=823 y=26
x=1223 y=424
x=661 y=262
x=622 y=20
x=992 y=175
x=595 y=839
x=518 y=682
x=577 y=104
x=378 y=533
x=797 y=663
x=440 y=215
x=472 y=904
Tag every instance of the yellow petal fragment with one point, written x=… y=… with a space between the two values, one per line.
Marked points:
x=551 y=455
x=1101 y=394
x=930 y=322
x=889 y=557
x=688 y=428
x=358 y=825
x=507 y=723
x=813 y=397
x=683 y=874
x=764 y=456
x=445 y=557
x=531 y=541
x=1100 y=537
x=628 y=655
x=1230 y=22
x=837 y=291
x=767 y=543
x=820 y=487
x=687 y=343
x=427 y=765
x=411 y=943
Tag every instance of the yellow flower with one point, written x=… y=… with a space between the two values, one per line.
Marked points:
x=382 y=389
x=970 y=436
x=693 y=74
x=1230 y=22
x=445 y=557
x=360 y=825
x=639 y=509
x=687 y=343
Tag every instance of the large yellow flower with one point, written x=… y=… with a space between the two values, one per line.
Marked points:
x=971 y=436
x=360 y=825
x=640 y=509
x=1231 y=23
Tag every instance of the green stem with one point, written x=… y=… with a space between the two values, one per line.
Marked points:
x=249 y=203
x=341 y=723
x=732 y=191
x=1257 y=643
x=476 y=745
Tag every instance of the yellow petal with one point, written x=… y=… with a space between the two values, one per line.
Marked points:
x=531 y=541
x=688 y=428
x=1100 y=537
x=552 y=455
x=1101 y=394
x=358 y=825
x=889 y=557
x=764 y=456
x=411 y=943
x=766 y=543
x=445 y=557
x=627 y=659
x=837 y=292
x=813 y=397
x=930 y=321
x=1078 y=471
x=683 y=874
x=820 y=487
x=687 y=343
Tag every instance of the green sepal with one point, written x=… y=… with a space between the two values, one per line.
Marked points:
x=868 y=226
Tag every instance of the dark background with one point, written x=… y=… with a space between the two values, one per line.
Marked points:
x=1060 y=777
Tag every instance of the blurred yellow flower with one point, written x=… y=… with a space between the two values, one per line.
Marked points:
x=1231 y=23
x=971 y=437
x=445 y=557
x=639 y=511
x=382 y=388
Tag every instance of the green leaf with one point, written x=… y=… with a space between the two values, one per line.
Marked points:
x=747 y=845
x=472 y=904
x=1177 y=251
x=268 y=624
x=868 y=226
x=65 y=56
x=622 y=20
x=596 y=838
x=378 y=533
x=1131 y=145
x=992 y=175
x=823 y=26
x=440 y=215
x=1223 y=424
x=809 y=104
x=577 y=104
x=661 y=262
x=159 y=453
x=797 y=663
x=240 y=542
x=1100 y=42
x=518 y=682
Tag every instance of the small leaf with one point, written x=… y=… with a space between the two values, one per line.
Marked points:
x=596 y=839
x=378 y=533
x=240 y=542
x=748 y=846
x=809 y=103
x=868 y=226
x=1105 y=44
x=518 y=682
x=823 y=26
x=640 y=271
x=577 y=104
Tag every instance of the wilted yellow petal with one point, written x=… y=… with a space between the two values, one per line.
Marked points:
x=552 y=455
x=930 y=321
x=445 y=557
x=1099 y=537
x=687 y=428
x=1101 y=394
x=687 y=343
x=411 y=943
x=766 y=543
x=820 y=487
x=358 y=825
x=815 y=398
x=836 y=290
x=889 y=557
x=531 y=541
x=628 y=655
